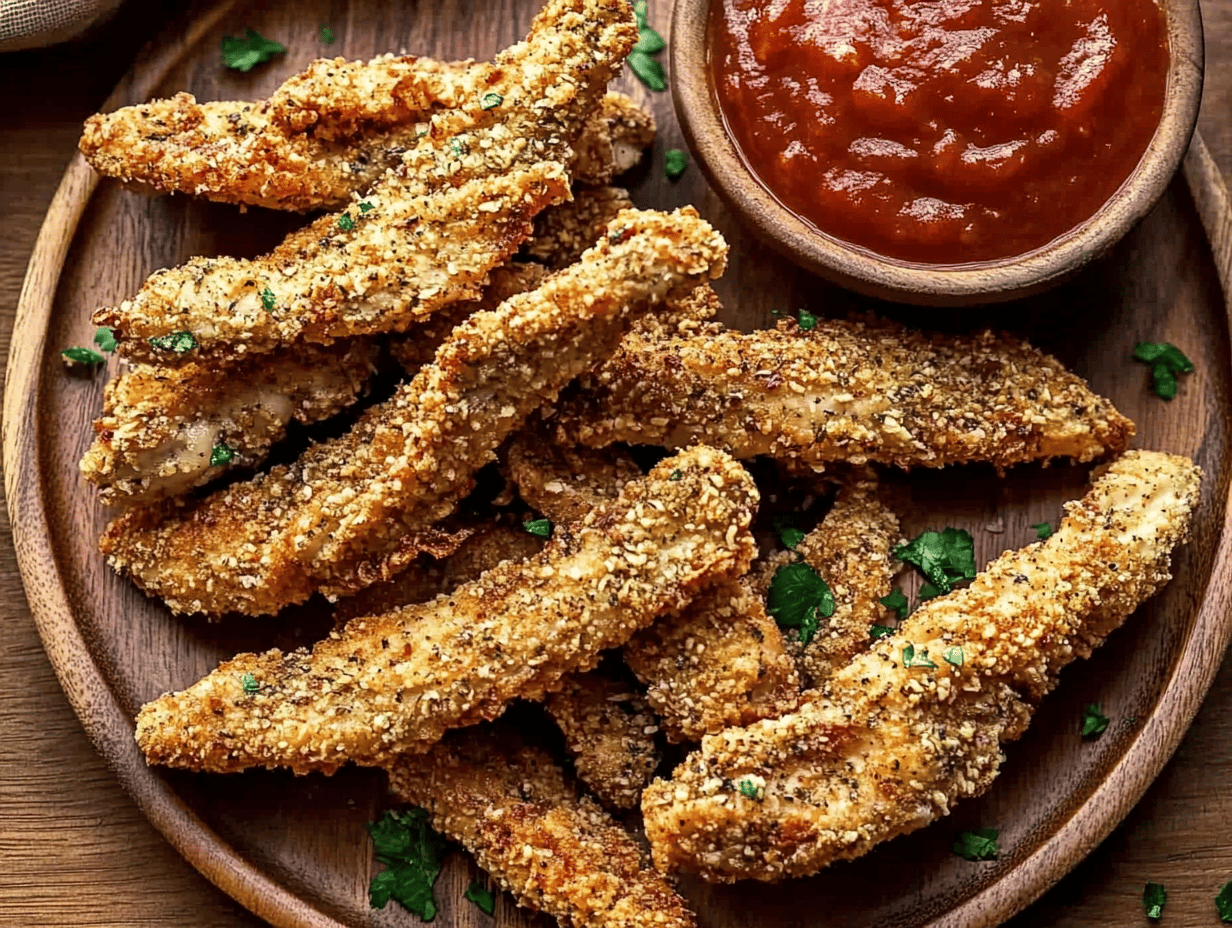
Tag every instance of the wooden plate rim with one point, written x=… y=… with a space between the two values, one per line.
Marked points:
x=102 y=716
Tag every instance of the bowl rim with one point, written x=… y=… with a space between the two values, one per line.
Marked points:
x=864 y=272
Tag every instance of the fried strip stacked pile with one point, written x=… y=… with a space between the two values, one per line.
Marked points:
x=394 y=683
x=886 y=748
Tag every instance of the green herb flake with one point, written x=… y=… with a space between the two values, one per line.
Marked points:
x=1223 y=903
x=366 y=207
x=807 y=321
x=674 y=163
x=539 y=527
x=649 y=42
x=879 y=631
x=481 y=896
x=80 y=355
x=1166 y=361
x=267 y=299
x=980 y=844
x=944 y=557
x=246 y=53
x=327 y=35
x=674 y=475
x=1153 y=898
x=220 y=455
x=750 y=790
x=1094 y=722
x=491 y=101
x=928 y=591
x=178 y=342
x=1043 y=531
x=345 y=222
x=647 y=70
x=953 y=656
x=411 y=852
x=105 y=338
x=911 y=659
x=896 y=601
x=250 y=684
x=787 y=533
x=799 y=598
x=455 y=146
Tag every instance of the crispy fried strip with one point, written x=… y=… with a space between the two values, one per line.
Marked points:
x=564 y=232
x=337 y=519
x=609 y=732
x=459 y=205
x=510 y=806
x=394 y=683
x=885 y=749
x=565 y=483
x=850 y=391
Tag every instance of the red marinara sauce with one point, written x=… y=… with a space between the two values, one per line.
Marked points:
x=941 y=131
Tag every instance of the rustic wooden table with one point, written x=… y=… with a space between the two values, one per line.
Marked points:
x=74 y=850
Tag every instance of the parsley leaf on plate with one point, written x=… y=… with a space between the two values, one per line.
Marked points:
x=980 y=844
x=411 y=852
x=788 y=534
x=479 y=894
x=1093 y=720
x=896 y=601
x=674 y=163
x=1223 y=903
x=807 y=321
x=648 y=71
x=82 y=355
x=1166 y=362
x=179 y=342
x=1153 y=898
x=1043 y=530
x=246 y=53
x=649 y=42
x=799 y=598
x=540 y=527
x=879 y=631
x=105 y=338
x=327 y=35
x=944 y=557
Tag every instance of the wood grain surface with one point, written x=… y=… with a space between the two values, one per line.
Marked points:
x=76 y=851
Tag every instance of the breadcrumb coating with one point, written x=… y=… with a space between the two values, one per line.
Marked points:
x=427 y=235
x=849 y=391
x=394 y=683
x=510 y=805
x=850 y=549
x=161 y=425
x=564 y=483
x=884 y=749
x=609 y=732
x=338 y=519
x=563 y=232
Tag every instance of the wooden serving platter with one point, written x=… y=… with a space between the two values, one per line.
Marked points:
x=294 y=850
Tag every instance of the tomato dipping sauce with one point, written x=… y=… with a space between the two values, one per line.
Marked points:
x=941 y=131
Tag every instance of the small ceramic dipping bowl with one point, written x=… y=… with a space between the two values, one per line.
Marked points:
x=932 y=284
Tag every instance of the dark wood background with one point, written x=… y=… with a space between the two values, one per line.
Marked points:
x=76 y=851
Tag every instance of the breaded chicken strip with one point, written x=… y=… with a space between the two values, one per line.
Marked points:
x=339 y=518
x=510 y=805
x=850 y=550
x=165 y=430
x=609 y=732
x=846 y=391
x=394 y=683
x=564 y=483
x=564 y=232
x=426 y=236
x=886 y=748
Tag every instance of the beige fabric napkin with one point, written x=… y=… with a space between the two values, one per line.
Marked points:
x=34 y=23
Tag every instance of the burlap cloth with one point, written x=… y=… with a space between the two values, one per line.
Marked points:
x=33 y=23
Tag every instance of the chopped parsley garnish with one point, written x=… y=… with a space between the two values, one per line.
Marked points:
x=250 y=684
x=1153 y=898
x=540 y=527
x=455 y=146
x=750 y=790
x=179 y=342
x=82 y=355
x=267 y=299
x=674 y=163
x=879 y=631
x=799 y=599
x=491 y=101
x=928 y=591
x=1094 y=722
x=980 y=844
x=944 y=557
x=481 y=896
x=788 y=534
x=220 y=455
x=1043 y=531
x=105 y=338
x=1223 y=903
x=807 y=321
x=674 y=475
x=1166 y=362
x=911 y=659
x=649 y=42
x=953 y=656
x=246 y=53
x=345 y=222
x=896 y=601
x=366 y=207
x=411 y=852
x=327 y=34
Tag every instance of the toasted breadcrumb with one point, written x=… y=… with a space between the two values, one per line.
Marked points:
x=393 y=683
x=510 y=805
x=564 y=483
x=850 y=391
x=884 y=749
x=564 y=232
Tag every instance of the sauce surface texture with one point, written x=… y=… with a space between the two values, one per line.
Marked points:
x=941 y=131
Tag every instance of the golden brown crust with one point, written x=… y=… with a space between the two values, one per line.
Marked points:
x=851 y=391
x=885 y=749
x=392 y=683
x=609 y=732
x=563 y=232
x=564 y=483
x=337 y=520
x=510 y=806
